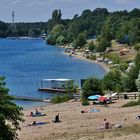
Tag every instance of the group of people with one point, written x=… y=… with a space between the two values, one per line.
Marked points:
x=36 y=113
x=56 y=120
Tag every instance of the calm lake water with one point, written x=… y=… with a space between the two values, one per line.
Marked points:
x=25 y=62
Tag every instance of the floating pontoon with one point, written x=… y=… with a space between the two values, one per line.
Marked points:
x=53 y=85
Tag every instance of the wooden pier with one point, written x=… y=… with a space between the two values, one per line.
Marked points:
x=25 y=98
x=53 y=90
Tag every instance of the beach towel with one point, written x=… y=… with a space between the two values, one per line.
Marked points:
x=90 y=111
x=94 y=110
x=37 y=123
x=41 y=123
x=39 y=115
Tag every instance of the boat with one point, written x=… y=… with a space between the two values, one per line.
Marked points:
x=53 y=85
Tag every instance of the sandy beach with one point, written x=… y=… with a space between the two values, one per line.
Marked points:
x=81 y=126
x=103 y=65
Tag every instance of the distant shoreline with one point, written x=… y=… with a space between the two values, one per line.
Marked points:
x=104 y=66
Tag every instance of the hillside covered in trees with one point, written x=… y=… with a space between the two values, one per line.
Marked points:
x=123 y=26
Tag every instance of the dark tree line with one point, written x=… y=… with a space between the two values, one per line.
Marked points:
x=123 y=26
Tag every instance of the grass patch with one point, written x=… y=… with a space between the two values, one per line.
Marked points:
x=60 y=98
x=128 y=130
x=132 y=103
x=85 y=103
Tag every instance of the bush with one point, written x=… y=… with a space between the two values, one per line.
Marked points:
x=137 y=46
x=132 y=103
x=85 y=103
x=60 y=98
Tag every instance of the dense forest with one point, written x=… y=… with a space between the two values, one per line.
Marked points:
x=123 y=26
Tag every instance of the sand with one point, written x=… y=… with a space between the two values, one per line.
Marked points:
x=103 y=65
x=79 y=126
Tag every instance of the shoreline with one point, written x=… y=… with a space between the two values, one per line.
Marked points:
x=104 y=66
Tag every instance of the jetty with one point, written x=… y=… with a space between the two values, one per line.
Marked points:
x=25 y=98
x=54 y=85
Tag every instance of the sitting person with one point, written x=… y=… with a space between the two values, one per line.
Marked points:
x=57 y=119
x=31 y=114
x=106 y=124
x=37 y=112
x=138 y=117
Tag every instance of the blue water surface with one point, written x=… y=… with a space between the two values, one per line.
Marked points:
x=25 y=62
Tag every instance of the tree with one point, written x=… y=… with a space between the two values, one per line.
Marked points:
x=10 y=114
x=103 y=44
x=81 y=40
x=129 y=81
x=112 y=81
x=91 y=86
x=91 y=46
x=70 y=87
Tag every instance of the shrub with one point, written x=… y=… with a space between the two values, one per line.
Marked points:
x=85 y=103
x=60 y=98
x=132 y=103
x=137 y=46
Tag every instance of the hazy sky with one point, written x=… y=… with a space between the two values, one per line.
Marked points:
x=41 y=10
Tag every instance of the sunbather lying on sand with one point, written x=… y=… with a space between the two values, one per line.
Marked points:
x=37 y=123
x=90 y=111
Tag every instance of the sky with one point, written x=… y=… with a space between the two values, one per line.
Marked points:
x=41 y=10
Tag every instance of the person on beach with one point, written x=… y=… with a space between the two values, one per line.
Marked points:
x=37 y=112
x=34 y=123
x=31 y=114
x=57 y=119
x=106 y=124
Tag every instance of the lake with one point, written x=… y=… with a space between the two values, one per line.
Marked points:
x=25 y=62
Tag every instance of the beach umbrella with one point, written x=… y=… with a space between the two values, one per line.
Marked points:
x=93 y=97
x=98 y=95
x=102 y=98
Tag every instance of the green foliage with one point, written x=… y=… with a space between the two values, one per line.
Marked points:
x=113 y=57
x=129 y=80
x=70 y=87
x=55 y=36
x=112 y=81
x=91 y=46
x=60 y=98
x=132 y=103
x=85 y=102
x=10 y=114
x=3 y=29
x=80 y=40
x=91 y=86
x=103 y=44
x=123 y=66
x=138 y=83
x=137 y=46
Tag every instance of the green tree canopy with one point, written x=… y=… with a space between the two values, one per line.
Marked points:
x=80 y=41
x=10 y=114
x=112 y=81
x=91 y=86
